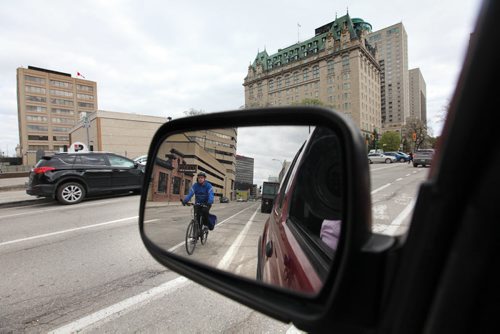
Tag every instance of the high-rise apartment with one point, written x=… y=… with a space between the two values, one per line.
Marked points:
x=244 y=172
x=337 y=66
x=418 y=95
x=49 y=104
x=392 y=54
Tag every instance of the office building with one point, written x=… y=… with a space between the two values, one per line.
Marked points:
x=244 y=172
x=392 y=54
x=337 y=66
x=418 y=96
x=49 y=104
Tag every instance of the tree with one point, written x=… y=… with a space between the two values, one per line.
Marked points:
x=415 y=132
x=193 y=112
x=390 y=141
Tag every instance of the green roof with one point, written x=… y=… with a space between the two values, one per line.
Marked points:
x=313 y=45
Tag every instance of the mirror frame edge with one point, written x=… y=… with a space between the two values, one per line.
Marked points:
x=275 y=302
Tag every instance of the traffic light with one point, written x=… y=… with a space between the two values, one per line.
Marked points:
x=414 y=136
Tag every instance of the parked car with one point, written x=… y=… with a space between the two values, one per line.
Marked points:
x=438 y=277
x=141 y=160
x=381 y=157
x=423 y=157
x=71 y=177
x=399 y=156
x=224 y=199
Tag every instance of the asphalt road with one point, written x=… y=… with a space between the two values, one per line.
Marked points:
x=84 y=267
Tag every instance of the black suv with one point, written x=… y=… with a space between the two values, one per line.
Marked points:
x=70 y=177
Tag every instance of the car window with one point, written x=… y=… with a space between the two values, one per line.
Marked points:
x=117 y=161
x=287 y=177
x=316 y=204
x=91 y=160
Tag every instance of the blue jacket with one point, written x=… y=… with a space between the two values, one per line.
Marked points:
x=204 y=194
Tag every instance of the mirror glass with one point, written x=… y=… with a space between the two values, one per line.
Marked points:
x=267 y=201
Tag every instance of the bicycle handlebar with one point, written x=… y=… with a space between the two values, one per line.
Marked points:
x=194 y=204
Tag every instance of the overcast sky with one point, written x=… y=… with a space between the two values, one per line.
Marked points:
x=162 y=58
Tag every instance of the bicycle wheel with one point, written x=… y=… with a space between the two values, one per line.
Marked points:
x=191 y=237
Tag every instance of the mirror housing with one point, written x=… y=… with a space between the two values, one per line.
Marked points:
x=345 y=288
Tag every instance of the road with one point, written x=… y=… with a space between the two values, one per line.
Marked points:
x=84 y=267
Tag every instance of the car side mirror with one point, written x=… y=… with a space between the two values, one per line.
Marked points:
x=287 y=254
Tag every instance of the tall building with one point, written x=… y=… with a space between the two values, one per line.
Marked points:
x=49 y=104
x=337 y=66
x=392 y=54
x=244 y=172
x=418 y=95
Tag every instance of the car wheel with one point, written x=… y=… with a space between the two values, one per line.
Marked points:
x=388 y=161
x=415 y=165
x=402 y=160
x=70 y=193
x=369 y=161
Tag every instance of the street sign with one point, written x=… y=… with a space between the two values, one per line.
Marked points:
x=78 y=147
x=187 y=168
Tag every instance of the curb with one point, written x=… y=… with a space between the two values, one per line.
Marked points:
x=23 y=202
x=10 y=188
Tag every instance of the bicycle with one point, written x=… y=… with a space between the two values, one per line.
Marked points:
x=196 y=229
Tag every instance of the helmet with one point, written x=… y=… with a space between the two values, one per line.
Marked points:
x=202 y=174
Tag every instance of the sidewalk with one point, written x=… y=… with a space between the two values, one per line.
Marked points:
x=13 y=192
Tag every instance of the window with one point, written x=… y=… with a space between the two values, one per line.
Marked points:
x=92 y=160
x=40 y=81
x=36 y=109
x=279 y=83
x=85 y=88
x=60 y=138
x=162 y=182
x=295 y=77
x=61 y=102
x=85 y=96
x=117 y=161
x=177 y=185
x=41 y=128
x=62 y=111
x=271 y=84
x=60 y=93
x=345 y=62
x=34 y=89
x=305 y=73
x=38 y=147
x=330 y=67
x=60 y=129
x=36 y=99
x=315 y=71
x=37 y=137
x=85 y=105
x=30 y=118
x=62 y=84
x=63 y=120
x=187 y=186
x=287 y=80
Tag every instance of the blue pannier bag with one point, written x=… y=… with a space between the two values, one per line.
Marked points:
x=212 y=220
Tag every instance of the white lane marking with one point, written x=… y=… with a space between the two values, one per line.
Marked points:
x=381 y=188
x=120 y=308
x=171 y=249
x=400 y=179
x=231 y=252
x=59 y=208
x=66 y=231
x=294 y=330
x=407 y=174
x=396 y=223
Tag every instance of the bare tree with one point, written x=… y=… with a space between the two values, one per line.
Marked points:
x=193 y=112
x=415 y=131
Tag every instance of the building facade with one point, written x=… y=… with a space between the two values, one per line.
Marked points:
x=244 y=172
x=121 y=133
x=337 y=66
x=418 y=95
x=49 y=104
x=392 y=54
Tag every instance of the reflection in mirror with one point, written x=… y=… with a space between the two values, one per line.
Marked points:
x=259 y=202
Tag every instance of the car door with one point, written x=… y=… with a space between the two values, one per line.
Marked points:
x=95 y=170
x=126 y=174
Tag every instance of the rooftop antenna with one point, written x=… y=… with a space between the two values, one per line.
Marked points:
x=298 y=32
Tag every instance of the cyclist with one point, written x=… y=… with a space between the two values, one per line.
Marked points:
x=204 y=194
